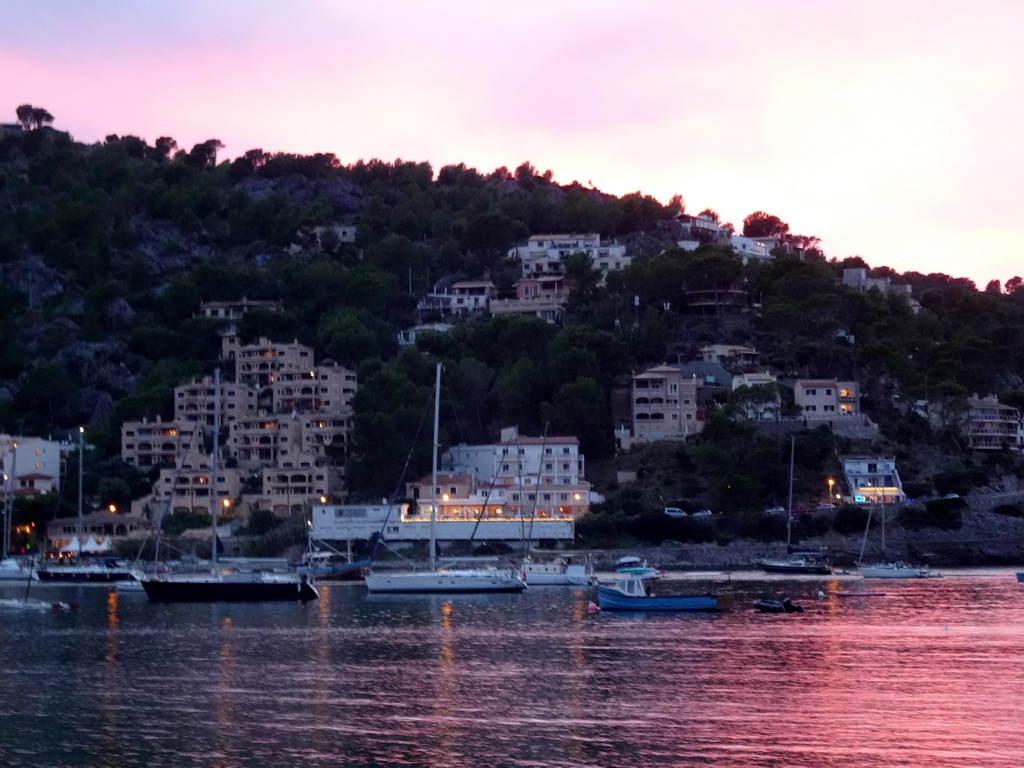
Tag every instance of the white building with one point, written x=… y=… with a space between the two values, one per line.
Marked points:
x=518 y=489
x=873 y=480
x=458 y=520
x=544 y=254
x=32 y=465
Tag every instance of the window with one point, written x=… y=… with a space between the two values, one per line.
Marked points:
x=812 y=392
x=548 y=451
x=828 y=408
x=548 y=467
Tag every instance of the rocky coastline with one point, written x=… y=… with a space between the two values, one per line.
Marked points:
x=984 y=539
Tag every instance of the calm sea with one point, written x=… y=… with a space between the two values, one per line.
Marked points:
x=930 y=675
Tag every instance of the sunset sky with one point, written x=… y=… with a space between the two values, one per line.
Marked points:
x=891 y=130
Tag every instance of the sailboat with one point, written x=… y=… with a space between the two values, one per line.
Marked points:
x=444 y=580
x=797 y=561
x=216 y=585
x=12 y=569
x=83 y=562
x=886 y=570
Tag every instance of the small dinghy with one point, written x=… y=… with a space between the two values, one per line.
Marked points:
x=778 y=606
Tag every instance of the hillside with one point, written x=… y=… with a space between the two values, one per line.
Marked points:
x=107 y=252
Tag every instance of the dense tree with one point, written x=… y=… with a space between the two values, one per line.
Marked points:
x=761 y=224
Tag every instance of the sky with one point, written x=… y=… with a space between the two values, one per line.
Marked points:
x=890 y=129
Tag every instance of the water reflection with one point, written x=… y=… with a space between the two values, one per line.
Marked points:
x=925 y=675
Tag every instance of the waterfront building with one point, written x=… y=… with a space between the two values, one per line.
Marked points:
x=872 y=480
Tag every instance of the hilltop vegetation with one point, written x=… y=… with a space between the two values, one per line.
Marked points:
x=107 y=251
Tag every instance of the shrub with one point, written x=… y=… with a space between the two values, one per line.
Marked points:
x=179 y=522
x=850 y=520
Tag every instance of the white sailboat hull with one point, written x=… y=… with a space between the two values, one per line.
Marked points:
x=447 y=581
x=892 y=571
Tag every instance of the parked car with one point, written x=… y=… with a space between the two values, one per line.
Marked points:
x=776 y=510
x=674 y=512
x=702 y=513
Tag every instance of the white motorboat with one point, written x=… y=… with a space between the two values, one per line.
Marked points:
x=564 y=571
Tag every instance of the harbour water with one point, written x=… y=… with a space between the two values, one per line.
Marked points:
x=929 y=674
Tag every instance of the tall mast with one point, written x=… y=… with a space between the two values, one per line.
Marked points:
x=433 y=474
x=9 y=501
x=214 y=501
x=81 y=519
x=789 y=507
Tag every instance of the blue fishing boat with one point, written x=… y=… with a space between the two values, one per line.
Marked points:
x=1020 y=576
x=633 y=593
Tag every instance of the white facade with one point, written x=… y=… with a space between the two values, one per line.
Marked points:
x=873 y=480
x=407 y=523
x=461 y=299
x=544 y=254
x=31 y=465
x=750 y=249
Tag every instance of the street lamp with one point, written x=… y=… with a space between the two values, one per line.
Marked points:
x=831 y=484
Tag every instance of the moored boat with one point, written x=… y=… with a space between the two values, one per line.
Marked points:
x=799 y=562
x=85 y=569
x=12 y=569
x=444 y=580
x=778 y=606
x=893 y=571
x=630 y=592
x=632 y=565
x=1020 y=577
x=447 y=580
x=565 y=571
x=216 y=585
x=232 y=587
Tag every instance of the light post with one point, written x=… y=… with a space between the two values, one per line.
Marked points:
x=831 y=485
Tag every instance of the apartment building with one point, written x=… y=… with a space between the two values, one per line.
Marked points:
x=992 y=426
x=326 y=388
x=146 y=444
x=663 y=406
x=194 y=402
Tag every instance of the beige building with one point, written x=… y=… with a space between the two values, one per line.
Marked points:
x=727 y=354
x=663 y=406
x=189 y=485
x=261 y=363
x=826 y=399
x=992 y=426
x=146 y=444
x=195 y=402
x=324 y=388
